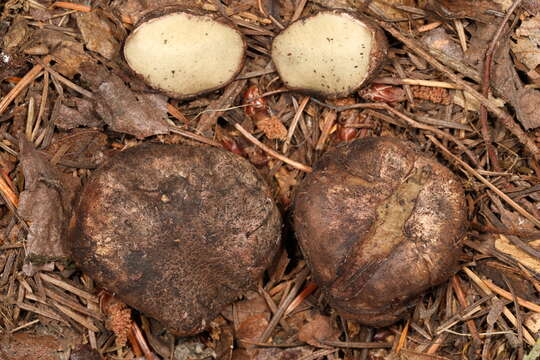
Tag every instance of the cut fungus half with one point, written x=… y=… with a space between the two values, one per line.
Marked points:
x=183 y=54
x=329 y=54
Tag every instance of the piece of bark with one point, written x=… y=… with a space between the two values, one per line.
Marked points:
x=526 y=105
x=97 y=34
x=526 y=47
x=45 y=204
x=124 y=110
x=69 y=118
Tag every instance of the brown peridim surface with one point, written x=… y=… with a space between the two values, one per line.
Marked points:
x=379 y=222
x=177 y=232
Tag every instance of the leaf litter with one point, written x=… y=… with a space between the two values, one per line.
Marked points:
x=72 y=104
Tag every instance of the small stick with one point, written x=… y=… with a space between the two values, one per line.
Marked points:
x=411 y=122
x=44 y=96
x=8 y=192
x=194 y=136
x=253 y=139
x=67 y=82
x=461 y=34
x=456 y=285
x=71 y=6
x=142 y=341
x=284 y=305
x=310 y=288
x=507 y=295
x=429 y=26
x=84 y=321
x=403 y=337
x=72 y=289
x=357 y=345
x=176 y=113
x=294 y=122
x=21 y=85
x=420 y=82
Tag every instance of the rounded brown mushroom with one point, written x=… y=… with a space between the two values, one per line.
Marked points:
x=330 y=54
x=379 y=222
x=185 y=54
x=177 y=232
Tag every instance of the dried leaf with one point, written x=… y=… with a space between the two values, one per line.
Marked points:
x=320 y=328
x=45 y=204
x=527 y=45
x=440 y=40
x=97 y=34
x=16 y=35
x=252 y=327
x=84 y=352
x=124 y=110
x=526 y=105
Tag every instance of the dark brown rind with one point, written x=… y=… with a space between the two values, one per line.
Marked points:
x=378 y=56
x=168 y=10
x=177 y=232
x=379 y=223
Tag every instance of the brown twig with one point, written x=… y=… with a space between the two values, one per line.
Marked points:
x=253 y=139
x=486 y=74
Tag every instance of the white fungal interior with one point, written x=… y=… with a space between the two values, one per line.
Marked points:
x=327 y=53
x=185 y=54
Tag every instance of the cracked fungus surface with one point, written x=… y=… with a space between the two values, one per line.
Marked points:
x=379 y=222
x=185 y=54
x=176 y=231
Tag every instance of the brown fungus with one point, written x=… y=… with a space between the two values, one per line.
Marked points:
x=177 y=232
x=185 y=54
x=329 y=54
x=379 y=222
